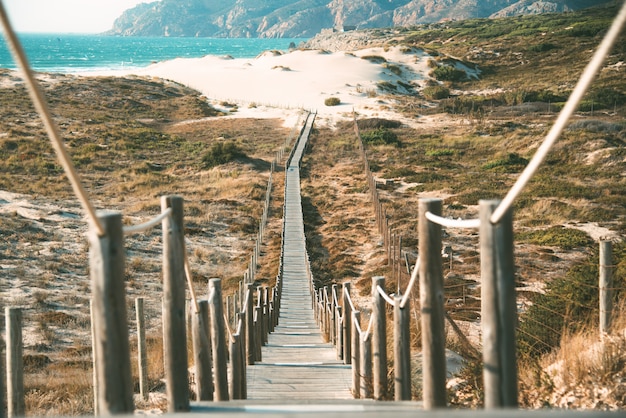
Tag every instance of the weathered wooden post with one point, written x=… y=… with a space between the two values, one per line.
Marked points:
x=431 y=305
x=94 y=355
x=235 y=367
x=606 y=285
x=347 y=323
x=202 y=361
x=379 y=339
x=218 y=339
x=250 y=343
x=174 y=313
x=107 y=264
x=14 y=363
x=402 y=351
x=365 y=341
x=142 y=352
x=499 y=309
x=355 y=342
x=333 y=315
x=339 y=331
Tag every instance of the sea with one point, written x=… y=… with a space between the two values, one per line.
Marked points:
x=73 y=53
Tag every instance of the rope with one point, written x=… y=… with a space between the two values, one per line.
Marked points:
x=409 y=288
x=231 y=337
x=451 y=223
x=570 y=107
x=385 y=296
x=135 y=229
x=44 y=112
x=194 y=300
x=350 y=303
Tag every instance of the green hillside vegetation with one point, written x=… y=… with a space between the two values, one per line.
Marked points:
x=535 y=58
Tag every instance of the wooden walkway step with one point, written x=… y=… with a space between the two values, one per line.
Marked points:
x=296 y=362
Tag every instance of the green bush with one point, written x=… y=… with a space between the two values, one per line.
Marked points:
x=222 y=153
x=557 y=236
x=436 y=92
x=512 y=163
x=374 y=58
x=448 y=73
x=380 y=136
x=332 y=101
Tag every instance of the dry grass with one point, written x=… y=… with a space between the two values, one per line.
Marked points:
x=140 y=140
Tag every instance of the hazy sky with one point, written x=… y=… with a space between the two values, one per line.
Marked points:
x=64 y=16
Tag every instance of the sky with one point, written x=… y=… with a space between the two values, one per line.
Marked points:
x=66 y=16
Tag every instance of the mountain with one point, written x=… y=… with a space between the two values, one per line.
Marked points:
x=305 y=18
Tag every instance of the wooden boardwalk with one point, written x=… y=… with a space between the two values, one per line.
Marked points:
x=296 y=362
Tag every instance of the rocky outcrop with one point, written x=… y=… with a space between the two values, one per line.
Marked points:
x=305 y=18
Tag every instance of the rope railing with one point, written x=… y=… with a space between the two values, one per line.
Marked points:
x=385 y=296
x=146 y=226
x=453 y=223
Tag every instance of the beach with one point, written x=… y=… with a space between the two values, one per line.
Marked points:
x=273 y=82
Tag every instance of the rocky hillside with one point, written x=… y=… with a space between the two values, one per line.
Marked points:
x=305 y=18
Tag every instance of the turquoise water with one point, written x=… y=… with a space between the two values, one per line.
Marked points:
x=78 y=53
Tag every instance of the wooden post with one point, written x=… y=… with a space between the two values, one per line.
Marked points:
x=218 y=339
x=355 y=342
x=366 y=366
x=333 y=315
x=340 y=342
x=14 y=363
x=200 y=326
x=379 y=339
x=347 y=324
x=242 y=355
x=431 y=305
x=250 y=344
x=94 y=355
x=258 y=337
x=142 y=352
x=498 y=310
x=402 y=352
x=174 y=314
x=606 y=284
x=235 y=367
x=107 y=263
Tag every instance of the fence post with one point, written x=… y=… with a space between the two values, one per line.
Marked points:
x=339 y=331
x=366 y=366
x=107 y=263
x=355 y=342
x=379 y=339
x=499 y=309
x=606 y=284
x=202 y=352
x=94 y=355
x=250 y=344
x=142 y=352
x=347 y=324
x=174 y=312
x=235 y=366
x=402 y=351
x=432 y=310
x=15 y=363
x=218 y=339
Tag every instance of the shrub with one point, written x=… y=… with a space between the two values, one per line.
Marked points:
x=374 y=58
x=332 y=101
x=557 y=236
x=222 y=153
x=375 y=123
x=448 y=73
x=436 y=92
x=380 y=136
x=510 y=164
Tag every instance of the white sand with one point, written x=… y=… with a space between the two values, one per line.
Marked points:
x=294 y=80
